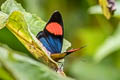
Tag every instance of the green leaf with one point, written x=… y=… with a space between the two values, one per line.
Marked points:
x=4 y=75
x=110 y=45
x=3 y=18
x=17 y=25
x=23 y=68
x=66 y=45
x=11 y=5
x=36 y=24
x=117 y=12
x=36 y=6
x=12 y=41
x=90 y=71
x=95 y=10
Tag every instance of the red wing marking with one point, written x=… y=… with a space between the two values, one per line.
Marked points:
x=54 y=28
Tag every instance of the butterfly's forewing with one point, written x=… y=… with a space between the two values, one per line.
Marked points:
x=52 y=35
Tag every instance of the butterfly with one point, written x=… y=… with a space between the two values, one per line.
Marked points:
x=52 y=37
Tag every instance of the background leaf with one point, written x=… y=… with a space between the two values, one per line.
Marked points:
x=11 y=5
x=17 y=25
x=110 y=45
x=3 y=18
x=4 y=75
x=12 y=61
x=97 y=71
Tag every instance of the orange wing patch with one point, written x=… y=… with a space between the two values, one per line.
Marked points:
x=54 y=28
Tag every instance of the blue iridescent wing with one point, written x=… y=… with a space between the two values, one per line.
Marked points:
x=52 y=35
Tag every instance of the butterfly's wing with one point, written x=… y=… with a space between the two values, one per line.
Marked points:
x=52 y=35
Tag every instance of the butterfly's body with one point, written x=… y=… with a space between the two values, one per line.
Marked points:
x=52 y=37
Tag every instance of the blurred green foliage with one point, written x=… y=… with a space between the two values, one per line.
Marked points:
x=100 y=60
x=11 y=68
